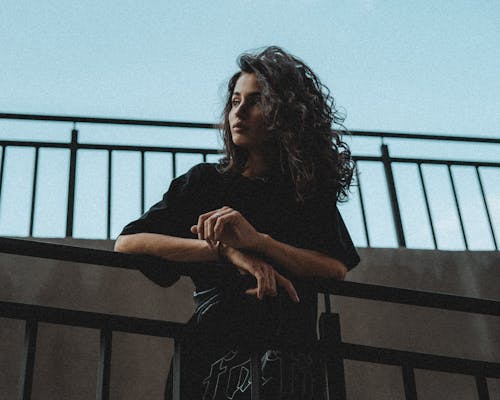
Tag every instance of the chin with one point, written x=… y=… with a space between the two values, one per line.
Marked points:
x=241 y=140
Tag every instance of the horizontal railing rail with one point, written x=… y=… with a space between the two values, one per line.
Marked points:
x=114 y=121
x=418 y=360
x=195 y=150
x=209 y=125
x=86 y=319
x=330 y=342
x=385 y=159
x=329 y=286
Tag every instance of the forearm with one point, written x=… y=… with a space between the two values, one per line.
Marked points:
x=168 y=247
x=301 y=262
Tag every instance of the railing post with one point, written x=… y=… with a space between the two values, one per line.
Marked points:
x=482 y=388
x=409 y=382
x=110 y=192
x=2 y=163
x=457 y=205
x=71 y=182
x=329 y=333
x=176 y=365
x=33 y=191
x=488 y=215
x=362 y=205
x=28 y=360
x=104 y=369
x=396 y=215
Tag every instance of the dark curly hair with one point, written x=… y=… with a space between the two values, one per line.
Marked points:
x=300 y=115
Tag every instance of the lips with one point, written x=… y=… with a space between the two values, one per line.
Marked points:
x=238 y=126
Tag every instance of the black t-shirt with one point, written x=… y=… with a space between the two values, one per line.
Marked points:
x=226 y=319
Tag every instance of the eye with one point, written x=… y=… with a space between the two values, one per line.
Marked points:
x=235 y=102
x=255 y=100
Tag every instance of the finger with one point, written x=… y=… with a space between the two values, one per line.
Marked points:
x=218 y=226
x=252 y=291
x=272 y=283
x=206 y=230
x=201 y=222
x=194 y=229
x=229 y=217
x=269 y=278
x=209 y=227
x=261 y=284
x=288 y=286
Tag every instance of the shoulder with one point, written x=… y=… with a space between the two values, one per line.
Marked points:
x=202 y=173
x=203 y=169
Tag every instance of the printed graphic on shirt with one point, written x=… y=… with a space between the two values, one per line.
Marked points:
x=230 y=376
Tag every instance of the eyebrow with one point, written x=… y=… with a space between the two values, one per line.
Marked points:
x=248 y=95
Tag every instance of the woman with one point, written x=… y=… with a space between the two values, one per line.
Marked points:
x=267 y=209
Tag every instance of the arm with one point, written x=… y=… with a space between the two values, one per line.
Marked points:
x=195 y=250
x=301 y=262
x=169 y=247
x=233 y=230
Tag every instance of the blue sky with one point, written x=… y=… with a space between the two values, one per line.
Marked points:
x=422 y=66
x=408 y=66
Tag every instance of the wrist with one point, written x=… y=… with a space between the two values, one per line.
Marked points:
x=212 y=250
x=263 y=243
x=223 y=252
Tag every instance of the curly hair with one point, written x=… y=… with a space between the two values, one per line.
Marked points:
x=300 y=114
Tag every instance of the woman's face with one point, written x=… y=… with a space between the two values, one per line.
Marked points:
x=246 y=119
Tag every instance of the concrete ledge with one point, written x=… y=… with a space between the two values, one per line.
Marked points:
x=66 y=360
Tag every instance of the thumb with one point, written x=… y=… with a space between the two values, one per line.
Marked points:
x=194 y=229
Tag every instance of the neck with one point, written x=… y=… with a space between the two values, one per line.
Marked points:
x=257 y=165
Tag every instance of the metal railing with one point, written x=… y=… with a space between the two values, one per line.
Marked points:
x=385 y=159
x=330 y=341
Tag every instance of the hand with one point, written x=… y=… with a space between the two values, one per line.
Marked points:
x=268 y=279
x=229 y=227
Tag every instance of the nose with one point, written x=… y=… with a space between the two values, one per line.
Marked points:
x=242 y=110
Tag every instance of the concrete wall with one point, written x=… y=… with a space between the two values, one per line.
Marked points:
x=66 y=359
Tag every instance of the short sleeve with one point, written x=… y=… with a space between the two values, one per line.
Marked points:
x=179 y=208
x=187 y=197
x=342 y=246
x=328 y=234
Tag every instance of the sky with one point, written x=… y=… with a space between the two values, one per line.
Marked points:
x=412 y=66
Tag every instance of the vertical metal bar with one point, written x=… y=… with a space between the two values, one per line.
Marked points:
x=204 y=157
x=328 y=304
x=409 y=383
x=143 y=185
x=429 y=215
x=176 y=365
x=486 y=208
x=458 y=207
x=33 y=191
x=71 y=183
x=482 y=388
x=28 y=360
x=362 y=204
x=255 y=376
x=108 y=221
x=104 y=368
x=2 y=162
x=174 y=166
x=330 y=336
x=396 y=214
